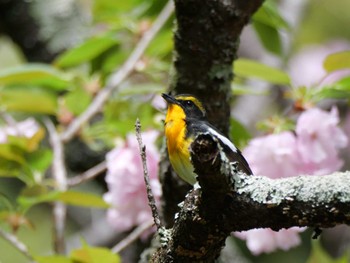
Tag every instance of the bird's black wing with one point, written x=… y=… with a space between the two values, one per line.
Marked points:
x=232 y=152
x=237 y=157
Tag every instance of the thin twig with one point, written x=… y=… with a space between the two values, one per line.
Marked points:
x=87 y=175
x=151 y=200
x=118 y=77
x=13 y=240
x=60 y=175
x=135 y=234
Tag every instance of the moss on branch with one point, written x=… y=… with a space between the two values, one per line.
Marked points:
x=228 y=200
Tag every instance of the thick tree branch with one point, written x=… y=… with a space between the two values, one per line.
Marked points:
x=228 y=200
x=206 y=40
x=313 y=201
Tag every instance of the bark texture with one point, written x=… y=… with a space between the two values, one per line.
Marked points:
x=228 y=200
x=206 y=40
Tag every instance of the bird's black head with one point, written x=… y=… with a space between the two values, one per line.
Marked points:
x=192 y=107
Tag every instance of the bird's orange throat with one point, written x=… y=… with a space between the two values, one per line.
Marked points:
x=175 y=131
x=175 y=128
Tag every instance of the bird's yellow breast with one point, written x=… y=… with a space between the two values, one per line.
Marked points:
x=178 y=145
x=175 y=128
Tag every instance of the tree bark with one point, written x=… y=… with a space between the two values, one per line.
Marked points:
x=228 y=201
x=206 y=40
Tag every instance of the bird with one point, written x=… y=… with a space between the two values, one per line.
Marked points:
x=185 y=119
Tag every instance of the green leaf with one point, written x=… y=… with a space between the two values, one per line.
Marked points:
x=269 y=15
x=108 y=60
x=38 y=194
x=8 y=152
x=337 y=90
x=162 y=45
x=27 y=144
x=82 y=199
x=121 y=115
x=269 y=37
x=104 y=7
x=5 y=204
x=36 y=75
x=40 y=160
x=34 y=191
x=53 y=259
x=9 y=168
x=16 y=153
x=239 y=134
x=337 y=61
x=333 y=92
x=319 y=255
x=34 y=195
x=267 y=22
x=94 y=255
x=247 y=68
x=90 y=49
x=77 y=100
x=28 y=100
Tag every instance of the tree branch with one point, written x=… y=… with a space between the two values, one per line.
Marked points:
x=228 y=201
x=206 y=40
x=13 y=240
x=87 y=175
x=120 y=75
x=134 y=235
x=60 y=175
x=313 y=201
x=151 y=200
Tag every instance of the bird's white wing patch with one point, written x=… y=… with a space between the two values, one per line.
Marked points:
x=225 y=140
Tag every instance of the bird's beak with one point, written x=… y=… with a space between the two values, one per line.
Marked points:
x=169 y=99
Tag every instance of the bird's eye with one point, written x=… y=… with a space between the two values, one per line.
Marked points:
x=189 y=103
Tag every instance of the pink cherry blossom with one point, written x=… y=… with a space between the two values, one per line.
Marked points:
x=127 y=190
x=274 y=155
x=266 y=240
x=306 y=67
x=27 y=128
x=313 y=150
x=319 y=140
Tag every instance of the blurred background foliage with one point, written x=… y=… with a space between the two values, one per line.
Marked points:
x=85 y=41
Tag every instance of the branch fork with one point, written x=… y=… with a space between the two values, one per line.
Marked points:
x=228 y=201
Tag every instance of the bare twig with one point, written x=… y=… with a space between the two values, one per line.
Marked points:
x=13 y=240
x=135 y=234
x=151 y=200
x=60 y=175
x=119 y=76
x=87 y=175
